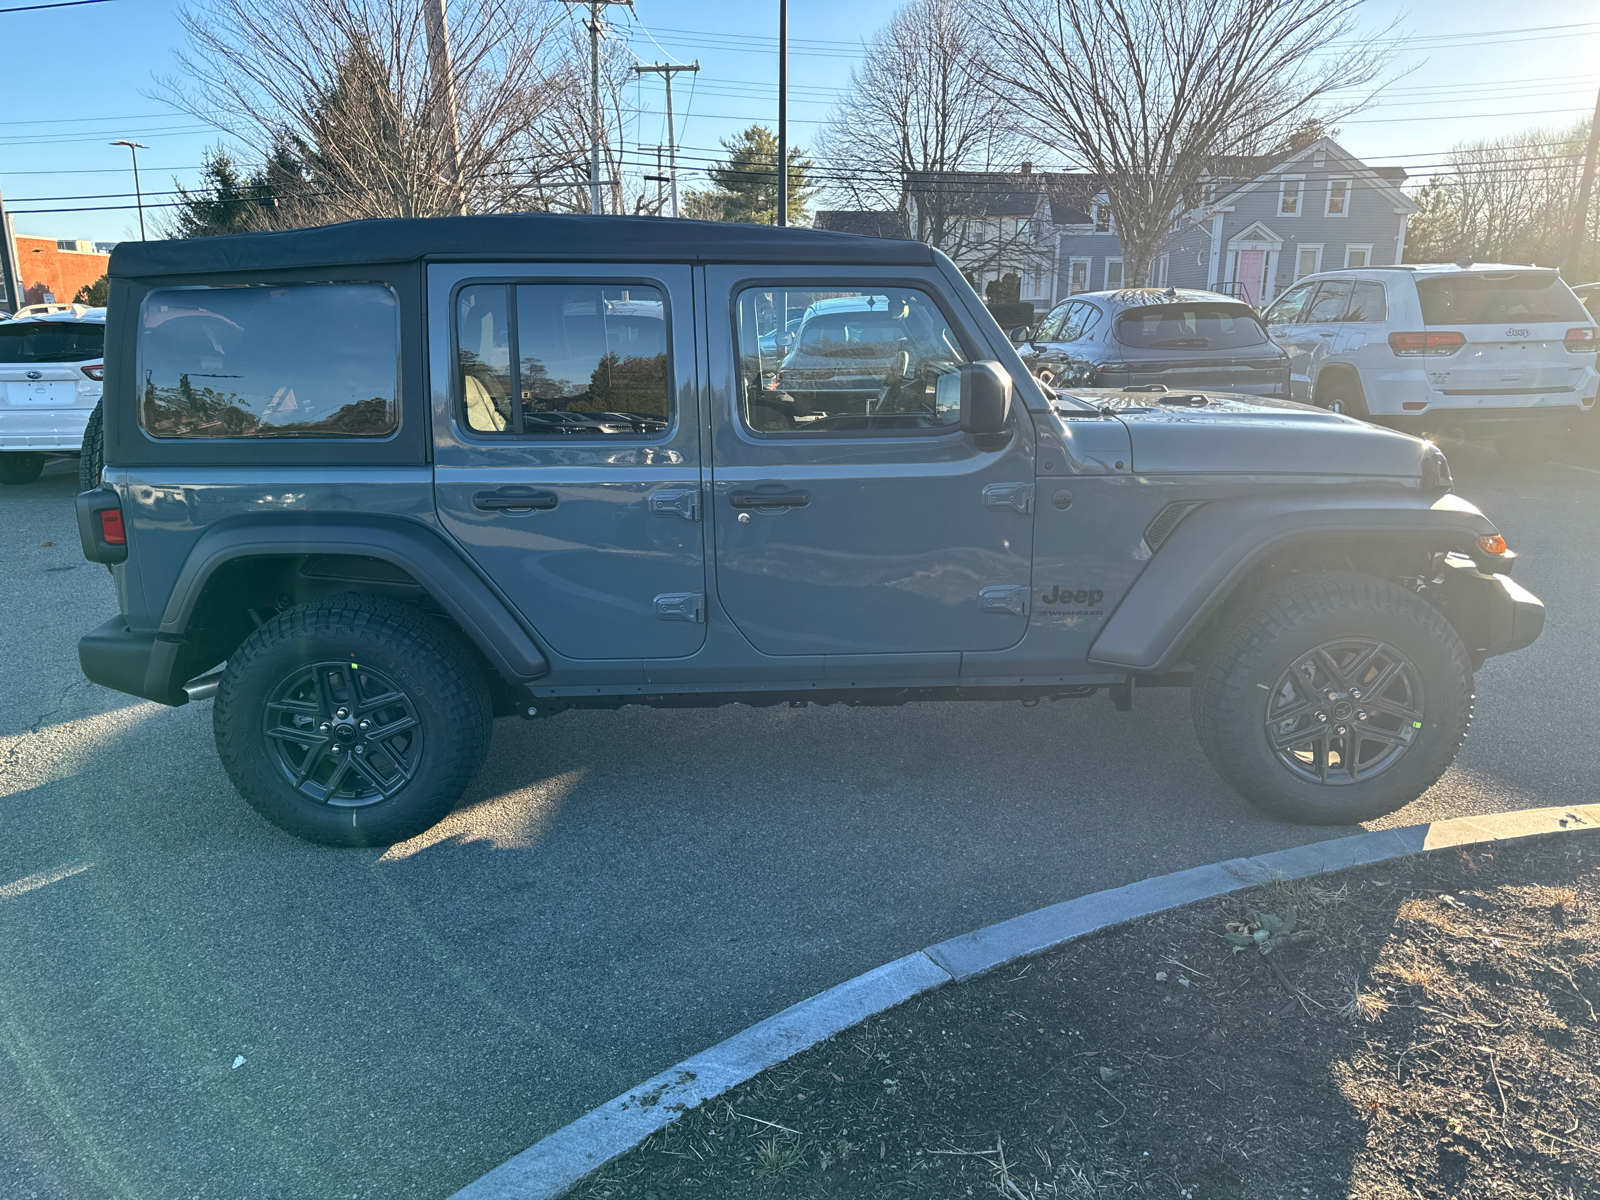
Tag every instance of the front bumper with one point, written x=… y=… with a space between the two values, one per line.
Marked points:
x=1493 y=613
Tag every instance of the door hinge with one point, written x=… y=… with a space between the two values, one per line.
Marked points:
x=682 y=606
x=677 y=502
x=1016 y=496
x=1009 y=598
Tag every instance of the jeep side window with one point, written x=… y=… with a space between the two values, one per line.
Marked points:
x=306 y=360
x=1333 y=297
x=559 y=359
x=1287 y=309
x=862 y=362
x=1367 y=303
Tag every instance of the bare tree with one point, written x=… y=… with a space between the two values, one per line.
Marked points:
x=339 y=93
x=1147 y=93
x=1506 y=199
x=916 y=114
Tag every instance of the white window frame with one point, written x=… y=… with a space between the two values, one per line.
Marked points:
x=1097 y=210
x=1327 y=200
x=1121 y=277
x=1088 y=272
x=1299 y=182
x=1366 y=249
x=1301 y=249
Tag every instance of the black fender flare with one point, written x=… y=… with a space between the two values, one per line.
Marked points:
x=455 y=584
x=1200 y=563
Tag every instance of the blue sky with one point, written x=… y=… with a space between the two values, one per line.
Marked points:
x=1480 y=69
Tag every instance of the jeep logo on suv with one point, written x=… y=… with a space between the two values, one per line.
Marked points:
x=1065 y=595
x=1514 y=332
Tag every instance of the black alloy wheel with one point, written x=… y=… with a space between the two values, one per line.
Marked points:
x=343 y=734
x=1346 y=711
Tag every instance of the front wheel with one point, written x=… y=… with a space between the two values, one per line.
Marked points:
x=1343 y=396
x=1334 y=698
x=352 y=720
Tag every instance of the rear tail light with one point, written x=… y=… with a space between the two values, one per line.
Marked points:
x=111 y=530
x=1581 y=341
x=97 y=371
x=1411 y=344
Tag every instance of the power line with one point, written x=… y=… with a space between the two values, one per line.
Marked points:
x=57 y=4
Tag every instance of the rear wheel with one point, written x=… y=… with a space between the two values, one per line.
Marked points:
x=20 y=468
x=352 y=720
x=92 y=460
x=1334 y=698
x=1341 y=395
x=1529 y=447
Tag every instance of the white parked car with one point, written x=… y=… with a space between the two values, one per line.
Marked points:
x=1477 y=350
x=50 y=372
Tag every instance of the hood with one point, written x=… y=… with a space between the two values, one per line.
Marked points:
x=1225 y=433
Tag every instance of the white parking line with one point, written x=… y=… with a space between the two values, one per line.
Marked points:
x=1571 y=467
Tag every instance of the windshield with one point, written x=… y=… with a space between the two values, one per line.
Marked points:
x=851 y=334
x=51 y=341
x=1191 y=327
x=1497 y=298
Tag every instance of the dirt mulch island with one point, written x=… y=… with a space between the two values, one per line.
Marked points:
x=1422 y=1029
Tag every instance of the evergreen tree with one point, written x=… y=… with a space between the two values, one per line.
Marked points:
x=747 y=182
x=227 y=200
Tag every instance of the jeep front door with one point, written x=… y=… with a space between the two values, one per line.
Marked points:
x=851 y=514
x=567 y=449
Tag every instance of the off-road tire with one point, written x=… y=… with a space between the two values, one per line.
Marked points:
x=1235 y=677
x=92 y=460
x=22 y=467
x=427 y=660
x=1529 y=449
x=1342 y=395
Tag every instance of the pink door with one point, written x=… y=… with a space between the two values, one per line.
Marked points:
x=1250 y=264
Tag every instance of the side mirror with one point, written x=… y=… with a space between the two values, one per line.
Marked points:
x=985 y=397
x=785 y=340
x=1021 y=334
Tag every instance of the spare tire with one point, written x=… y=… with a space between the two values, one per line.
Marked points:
x=92 y=460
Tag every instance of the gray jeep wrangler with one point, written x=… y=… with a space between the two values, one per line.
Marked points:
x=372 y=485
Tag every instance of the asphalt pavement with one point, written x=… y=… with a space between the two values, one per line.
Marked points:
x=618 y=890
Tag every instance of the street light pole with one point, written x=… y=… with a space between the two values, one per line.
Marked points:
x=138 y=196
x=783 y=112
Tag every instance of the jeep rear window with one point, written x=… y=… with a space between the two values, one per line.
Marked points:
x=1496 y=298
x=51 y=341
x=563 y=359
x=308 y=360
x=1191 y=327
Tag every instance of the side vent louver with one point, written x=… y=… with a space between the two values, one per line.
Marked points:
x=1166 y=521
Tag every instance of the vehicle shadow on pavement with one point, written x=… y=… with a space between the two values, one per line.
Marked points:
x=622 y=890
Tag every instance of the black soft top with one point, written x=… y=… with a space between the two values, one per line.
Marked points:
x=557 y=236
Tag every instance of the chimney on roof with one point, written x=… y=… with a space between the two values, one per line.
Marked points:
x=1027 y=168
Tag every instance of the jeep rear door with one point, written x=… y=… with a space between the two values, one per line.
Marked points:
x=850 y=513
x=567 y=448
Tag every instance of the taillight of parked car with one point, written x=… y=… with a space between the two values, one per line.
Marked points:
x=1409 y=345
x=95 y=371
x=1581 y=340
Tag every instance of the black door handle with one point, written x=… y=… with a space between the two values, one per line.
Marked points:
x=513 y=499
x=792 y=499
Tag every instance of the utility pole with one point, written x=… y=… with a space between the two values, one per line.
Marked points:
x=10 y=269
x=667 y=71
x=594 y=98
x=1580 y=219
x=442 y=111
x=138 y=196
x=658 y=178
x=783 y=112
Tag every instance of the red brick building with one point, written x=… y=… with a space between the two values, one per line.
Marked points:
x=54 y=269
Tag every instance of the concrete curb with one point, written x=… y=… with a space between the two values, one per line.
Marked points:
x=550 y=1167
